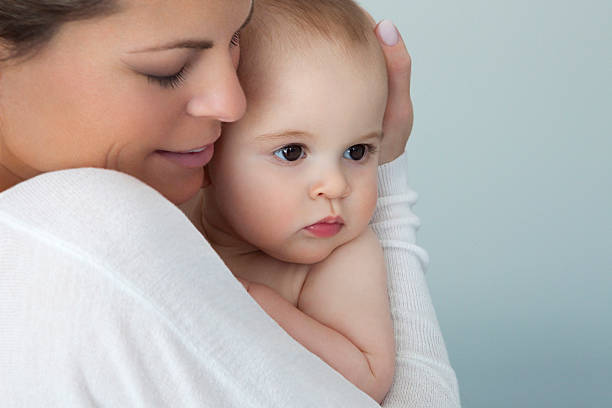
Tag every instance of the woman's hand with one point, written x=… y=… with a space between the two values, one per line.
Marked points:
x=399 y=115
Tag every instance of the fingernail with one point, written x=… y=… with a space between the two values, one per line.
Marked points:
x=388 y=33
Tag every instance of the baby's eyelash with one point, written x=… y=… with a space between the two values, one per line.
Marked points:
x=170 y=81
x=359 y=153
x=371 y=148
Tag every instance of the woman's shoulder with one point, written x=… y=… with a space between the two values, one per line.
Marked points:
x=99 y=202
x=86 y=226
x=78 y=192
x=108 y=217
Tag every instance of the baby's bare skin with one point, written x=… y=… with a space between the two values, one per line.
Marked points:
x=337 y=308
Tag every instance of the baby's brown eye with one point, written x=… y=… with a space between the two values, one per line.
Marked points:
x=290 y=153
x=356 y=152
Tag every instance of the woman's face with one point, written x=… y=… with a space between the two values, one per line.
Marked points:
x=134 y=92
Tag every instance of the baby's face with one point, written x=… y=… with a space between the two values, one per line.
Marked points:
x=297 y=176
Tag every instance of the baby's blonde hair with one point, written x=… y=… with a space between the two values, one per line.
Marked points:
x=280 y=26
x=341 y=21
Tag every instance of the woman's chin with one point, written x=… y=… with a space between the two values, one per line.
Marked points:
x=180 y=191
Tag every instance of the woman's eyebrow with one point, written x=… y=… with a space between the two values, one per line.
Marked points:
x=193 y=44
x=189 y=44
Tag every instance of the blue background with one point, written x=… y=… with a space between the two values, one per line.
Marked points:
x=510 y=155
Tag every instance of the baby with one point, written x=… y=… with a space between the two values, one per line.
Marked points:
x=294 y=184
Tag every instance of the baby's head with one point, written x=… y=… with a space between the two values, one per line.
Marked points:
x=297 y=176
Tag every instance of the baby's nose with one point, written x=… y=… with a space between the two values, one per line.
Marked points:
x=330 y=184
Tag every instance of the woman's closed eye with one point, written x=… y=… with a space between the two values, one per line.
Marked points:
x=170 y=81
x=175 y=80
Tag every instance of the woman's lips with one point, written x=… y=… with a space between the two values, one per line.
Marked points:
x=327 y=227
x=192 y=159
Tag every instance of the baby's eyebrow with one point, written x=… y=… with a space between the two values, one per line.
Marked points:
x=292 y=134
x=284 y=134
x=377 y=134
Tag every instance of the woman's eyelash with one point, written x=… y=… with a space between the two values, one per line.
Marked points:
x=175 y=80
x=170 y=81
x=235 y=39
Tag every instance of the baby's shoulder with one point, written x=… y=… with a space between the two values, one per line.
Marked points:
x=359 y=260
x=364 y=245
x=285 y=278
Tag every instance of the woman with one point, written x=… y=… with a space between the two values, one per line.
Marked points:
x=109 y=296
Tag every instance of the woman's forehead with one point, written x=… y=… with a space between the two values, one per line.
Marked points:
x=238 y=9
x=150 y=23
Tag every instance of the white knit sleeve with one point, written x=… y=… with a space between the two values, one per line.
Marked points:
x=423 y=377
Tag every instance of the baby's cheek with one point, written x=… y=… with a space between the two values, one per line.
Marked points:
x=281 y=215
x=369 y=207
x=266 y=221
x=367 y=203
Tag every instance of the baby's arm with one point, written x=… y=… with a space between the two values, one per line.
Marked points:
x=343 y=314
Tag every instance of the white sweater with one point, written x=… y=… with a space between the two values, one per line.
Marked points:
x=110 y=297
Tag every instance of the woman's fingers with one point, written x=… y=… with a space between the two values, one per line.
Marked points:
x=399 y=115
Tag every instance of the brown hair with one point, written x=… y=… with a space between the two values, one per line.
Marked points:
x=27 y=25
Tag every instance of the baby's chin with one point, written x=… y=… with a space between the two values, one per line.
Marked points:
x=305 y=256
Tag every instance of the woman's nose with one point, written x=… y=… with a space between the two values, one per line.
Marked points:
x=219 y=95
x=330 y=184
